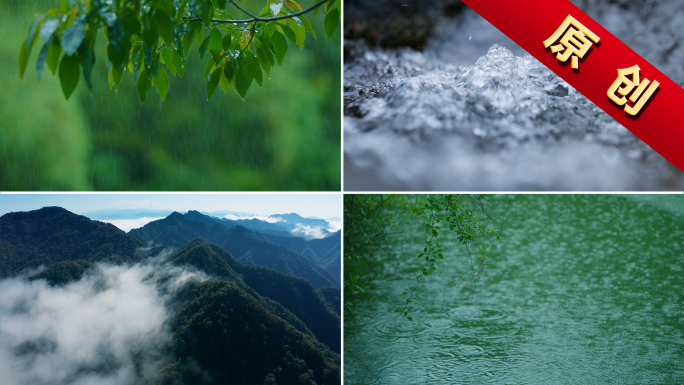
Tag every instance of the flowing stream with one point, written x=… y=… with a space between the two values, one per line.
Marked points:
x=587 y=290
x=474 y=111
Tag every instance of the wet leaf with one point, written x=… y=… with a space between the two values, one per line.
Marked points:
x=68 y=75
x=167 y=54
x=164 y=26
x=215 y=43
x=331 y=21
x=23 y=60
x=54 y=51
x=279 y=46
x=265 y=62
x=161 y=81
x=144 y=85
x=275 y=8
x=307 y=25
x=241 y=84
x=73 y=37
x=213 y=83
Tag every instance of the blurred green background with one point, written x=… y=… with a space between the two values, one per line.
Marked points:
x=285 y=136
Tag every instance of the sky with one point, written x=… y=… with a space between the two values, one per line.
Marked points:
x=321 y=205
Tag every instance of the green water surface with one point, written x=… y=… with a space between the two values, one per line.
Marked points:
x=587 y=290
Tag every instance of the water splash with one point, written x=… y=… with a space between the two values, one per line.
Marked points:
x=505 y=122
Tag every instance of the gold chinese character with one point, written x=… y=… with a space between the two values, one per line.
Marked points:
x=629 y=87
x=573 y=43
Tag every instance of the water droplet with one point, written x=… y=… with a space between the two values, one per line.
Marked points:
x=471 y=36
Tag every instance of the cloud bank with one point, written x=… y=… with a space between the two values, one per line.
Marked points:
x=104 y=329
x=309 y=231
x=334 y=226
x=259 y=217
x=130 y=224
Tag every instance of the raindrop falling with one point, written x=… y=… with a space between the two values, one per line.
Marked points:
x=471 y=37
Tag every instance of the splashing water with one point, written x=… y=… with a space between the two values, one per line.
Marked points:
x=415 y=121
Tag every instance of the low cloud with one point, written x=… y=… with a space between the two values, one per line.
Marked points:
x=259 y=217
x=103 y=329
x=334 y=226
x=309 y=231
x=130 y=224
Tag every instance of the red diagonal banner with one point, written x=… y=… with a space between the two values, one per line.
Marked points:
x=598 y=65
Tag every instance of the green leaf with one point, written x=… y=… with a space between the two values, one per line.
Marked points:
x=279 y=46
x=331 y=21
x=207 y=67
x=329 y=5
x=53 y=55
x=213 y=83
x=46 y=30
x=289 y=33
x=117 y=75
x=73 y=37
x=300 y=33
x=225 y=43
x=164 y=26
x=144 y=85
x=162 y=83
x=116 y=33
x=23 y=60
x=409 y=318
x=307 y=25
x=264 y=38
x=179 y=63
x=187 y=42
x=241 y=84
x=229 y=70
x=87 y=55
x=64 y=4
x=68 y=75
x=215 y=43
x=120 y=57
x=224 y=82
x=204 y=47
x=265 y=63
x=207 y=13
x=32 y=35
x=434 y=233
x=253 y=67
x=167 y=54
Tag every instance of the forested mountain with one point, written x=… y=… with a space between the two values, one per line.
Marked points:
x=226 y=336
x=247 y=324
x=53 y=234
x=325 y=252
x=246 y=245
x=295 y=294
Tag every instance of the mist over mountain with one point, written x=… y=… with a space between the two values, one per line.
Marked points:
x=111 y=307
x=251 y=247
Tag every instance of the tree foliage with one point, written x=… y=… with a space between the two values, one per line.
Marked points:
x=371 y=220
x=151 y=38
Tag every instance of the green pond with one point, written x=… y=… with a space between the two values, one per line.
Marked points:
x=586 y=290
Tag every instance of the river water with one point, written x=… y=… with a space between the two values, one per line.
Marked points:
x=473 y=111
x=587 y=290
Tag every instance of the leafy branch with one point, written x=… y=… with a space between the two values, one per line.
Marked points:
x=471 y=231
x=150 y=38
x=266 y=19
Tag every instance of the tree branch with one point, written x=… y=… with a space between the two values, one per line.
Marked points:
x=245 y=12
x=265 y=19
